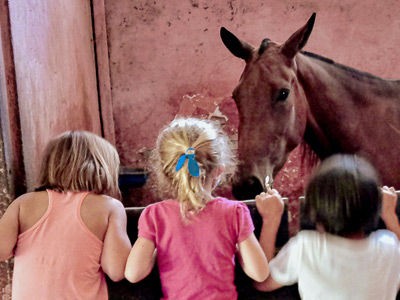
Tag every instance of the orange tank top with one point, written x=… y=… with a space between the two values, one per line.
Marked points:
x=59 y=257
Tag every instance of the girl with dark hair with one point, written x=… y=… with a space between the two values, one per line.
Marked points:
x=346 y=257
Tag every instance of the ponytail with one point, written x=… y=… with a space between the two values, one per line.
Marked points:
x=187 y=151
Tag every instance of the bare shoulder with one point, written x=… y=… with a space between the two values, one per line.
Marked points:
x=24 y=198
x=32 y=206
x=33 y=199
x=104 y=203
x=97 y=211
x=112 y=202
x=16 y=204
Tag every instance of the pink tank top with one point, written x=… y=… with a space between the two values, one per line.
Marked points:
x=59 y=257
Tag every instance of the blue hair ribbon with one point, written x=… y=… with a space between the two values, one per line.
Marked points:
x=193 y=166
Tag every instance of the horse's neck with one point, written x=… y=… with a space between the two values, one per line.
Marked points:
x=339 y=99
x=328 y=77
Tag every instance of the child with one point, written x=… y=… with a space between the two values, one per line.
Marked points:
x=70 y=231
x=195 y=236
x=345 y=257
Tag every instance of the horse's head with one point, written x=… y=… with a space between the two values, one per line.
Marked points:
x=271 y=105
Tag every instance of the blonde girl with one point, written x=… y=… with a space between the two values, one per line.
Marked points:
x=70 y=231
x=193 y=235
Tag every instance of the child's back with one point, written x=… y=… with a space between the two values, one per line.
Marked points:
x=67 y=235
x=194 y=235
x=345 y=257
x=328 y=266
x=94 y=211
x=196 y=258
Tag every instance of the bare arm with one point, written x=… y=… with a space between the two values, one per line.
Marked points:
x=9 y=229
x=116 y=245
x=388 y=214
x=268 y=285
x=270 y=206
x=252 y=259
x=141 y=260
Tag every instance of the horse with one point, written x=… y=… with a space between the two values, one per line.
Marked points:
x=287 y=96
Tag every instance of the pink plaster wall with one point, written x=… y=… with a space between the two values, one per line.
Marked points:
x=164 y=54
x=55 y=72
x=167 y=59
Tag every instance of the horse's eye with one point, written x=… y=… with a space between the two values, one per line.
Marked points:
x=283 y=94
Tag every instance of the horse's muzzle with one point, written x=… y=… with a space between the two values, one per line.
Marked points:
x=246 y=188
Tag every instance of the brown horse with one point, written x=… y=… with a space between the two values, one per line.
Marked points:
x=287 y=96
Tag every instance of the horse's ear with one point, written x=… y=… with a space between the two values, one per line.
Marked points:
x=237 y=47
x=298 y=39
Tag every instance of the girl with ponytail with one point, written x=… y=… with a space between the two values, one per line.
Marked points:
x=194 y=236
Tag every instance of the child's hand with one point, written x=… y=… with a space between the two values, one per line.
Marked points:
x=389 y=202
x=388 y=215
x=270 y=205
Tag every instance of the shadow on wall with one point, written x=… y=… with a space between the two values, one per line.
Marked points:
x=130 y=181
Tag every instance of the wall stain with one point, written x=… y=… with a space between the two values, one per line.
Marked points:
x=194 y=3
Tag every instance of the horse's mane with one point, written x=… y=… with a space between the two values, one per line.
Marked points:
x=353 y=72
x=308 y=156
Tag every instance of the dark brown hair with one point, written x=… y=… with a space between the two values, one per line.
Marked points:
x=343 y=196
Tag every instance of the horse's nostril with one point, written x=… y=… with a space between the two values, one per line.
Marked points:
x=247 y=188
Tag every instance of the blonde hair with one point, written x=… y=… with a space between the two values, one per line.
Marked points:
x=80 y=161
x=212 y=150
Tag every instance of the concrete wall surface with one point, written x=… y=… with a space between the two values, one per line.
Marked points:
x=166 y=59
